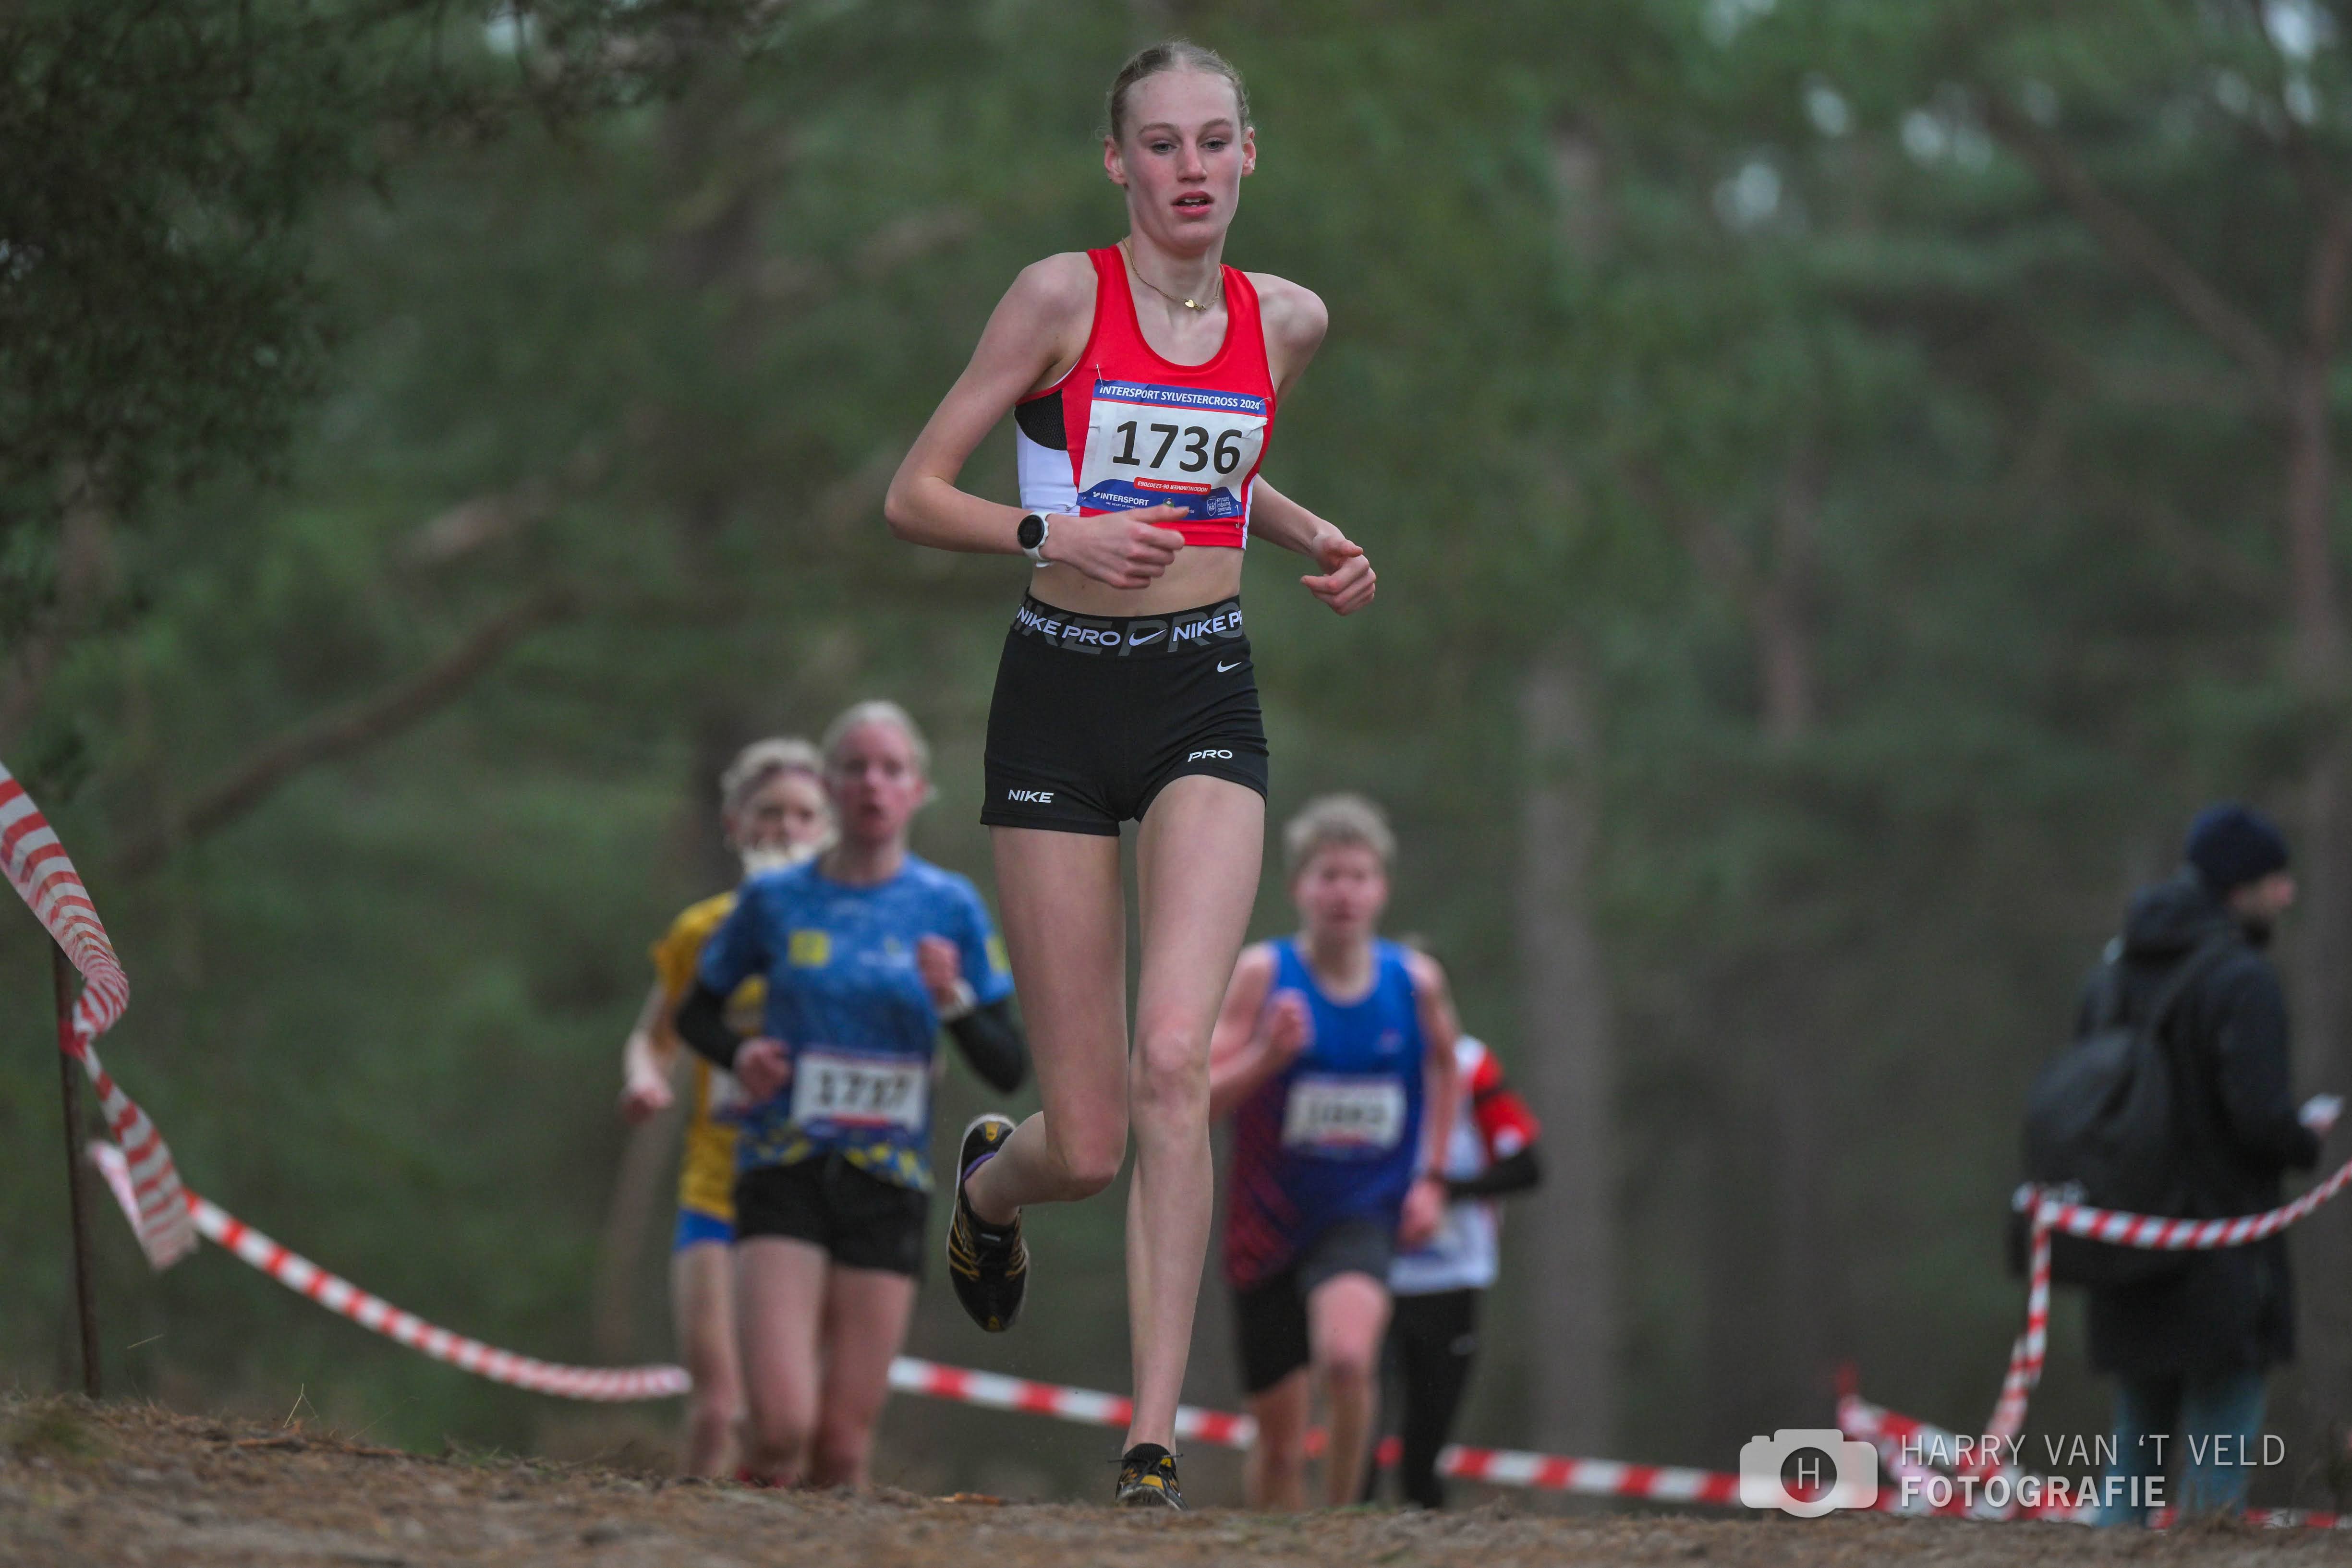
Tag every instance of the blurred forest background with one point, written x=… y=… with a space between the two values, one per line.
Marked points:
x=1847 y=478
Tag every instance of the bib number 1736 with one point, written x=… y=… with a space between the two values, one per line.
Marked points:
x=1196 y=456
x=1156 y=446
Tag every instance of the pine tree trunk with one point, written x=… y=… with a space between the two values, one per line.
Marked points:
x=1808 y=1271
x=2323 y=927
x=1782 y=608
x=2325 y=991
x=1566 y=1061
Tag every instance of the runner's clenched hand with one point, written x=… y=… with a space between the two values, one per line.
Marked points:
x=1285 y=1029
x=1425 y=1211
x=940 y=964
x=644 y=1097
x=1347 y=581
x=762 y=1066
x=1122 y=550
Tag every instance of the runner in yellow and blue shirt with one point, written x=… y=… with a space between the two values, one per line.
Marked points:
x=706 y=1174
x=774 y=811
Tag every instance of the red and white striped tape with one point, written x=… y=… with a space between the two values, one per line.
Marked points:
x=1494 y=1466
x=989 y=1390
x=2052 y=1214
x=38 y=868
x=1980 y=1459
x=1918 y=1450
x=1914 y=1440
x=1590 y=1478
x=339 y=1295
x=1086 y=1407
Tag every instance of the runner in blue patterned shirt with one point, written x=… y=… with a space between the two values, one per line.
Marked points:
x=868 y=951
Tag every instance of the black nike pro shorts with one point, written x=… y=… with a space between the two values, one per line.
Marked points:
x=1095 y=715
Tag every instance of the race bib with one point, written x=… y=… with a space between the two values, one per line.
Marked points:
x=1153 y=445
x=834 y=1088
x=1344 y=1116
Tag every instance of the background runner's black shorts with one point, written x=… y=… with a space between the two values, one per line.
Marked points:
x=1095 y=715
x=860 y=1221
x=1270 y=1317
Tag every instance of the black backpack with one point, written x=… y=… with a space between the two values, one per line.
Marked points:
x=2102 y=1127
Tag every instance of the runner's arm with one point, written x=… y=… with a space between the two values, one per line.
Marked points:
x=1239 y=1060
x=985 y=1032
x=1039 y=324
x=1347 y=581
x=1521 y=1172
x=1279 y=520
x=701 y=1022
x=648 y=1059
x=1505 y=1126
x=1021 y=343
x=1440 y=1029
x=1294 y=321
x=992 y=1039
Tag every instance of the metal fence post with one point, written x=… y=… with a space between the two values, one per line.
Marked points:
x=61 y=972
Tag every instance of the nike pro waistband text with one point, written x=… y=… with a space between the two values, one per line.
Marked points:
x=1185 y=632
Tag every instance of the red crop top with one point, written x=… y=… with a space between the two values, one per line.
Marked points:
x=1125 y=428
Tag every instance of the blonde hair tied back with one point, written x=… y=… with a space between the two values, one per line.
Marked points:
x=1170 y=55
x=876 y=710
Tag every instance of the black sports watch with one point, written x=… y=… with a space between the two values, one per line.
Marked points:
x=1031 y=537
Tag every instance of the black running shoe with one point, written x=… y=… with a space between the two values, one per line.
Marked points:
x=989 y=1268
x=1147 y=1478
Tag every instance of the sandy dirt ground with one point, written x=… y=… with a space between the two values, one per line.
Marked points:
x=134 y=1484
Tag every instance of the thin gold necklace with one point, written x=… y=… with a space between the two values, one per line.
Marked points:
x=1190 y=305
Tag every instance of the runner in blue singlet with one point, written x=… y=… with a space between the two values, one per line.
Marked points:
x=1335 y=1055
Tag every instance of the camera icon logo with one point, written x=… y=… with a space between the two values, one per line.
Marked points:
x=1830 y=1471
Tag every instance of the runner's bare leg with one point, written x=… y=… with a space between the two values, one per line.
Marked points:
x=1274 y=1471
x=1065 y=931
x=1197 y=860
x=866 y=1314
x=702 y=1297
x=779 y=1303
x=1346 y=1316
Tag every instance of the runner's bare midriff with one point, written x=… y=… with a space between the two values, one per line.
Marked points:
x=1199 y=575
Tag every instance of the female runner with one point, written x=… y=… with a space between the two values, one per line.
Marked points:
x=772 y=807
x=1335 y=1053
x=1144 y=379
x=867 y=951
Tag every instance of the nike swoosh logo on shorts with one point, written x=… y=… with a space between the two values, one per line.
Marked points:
x=1147 y=637
x=1237 y=665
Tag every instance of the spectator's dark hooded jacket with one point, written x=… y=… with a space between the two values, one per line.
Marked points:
x=2231 y=1310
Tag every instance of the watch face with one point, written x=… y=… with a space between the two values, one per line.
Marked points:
x=1032 y=532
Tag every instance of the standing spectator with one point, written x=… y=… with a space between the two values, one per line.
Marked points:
x=1437 y=1286
x=2189 y=1350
